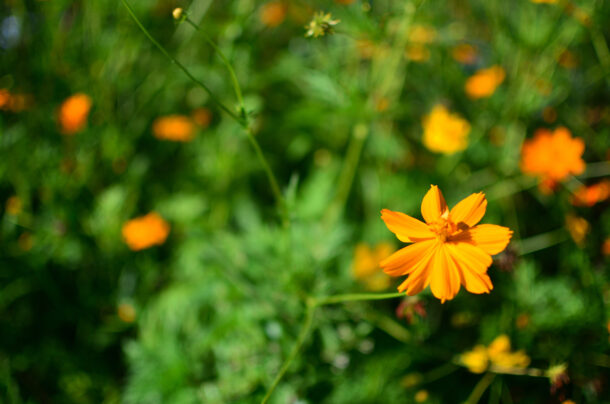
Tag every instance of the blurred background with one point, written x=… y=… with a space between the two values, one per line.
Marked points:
x=143 y=256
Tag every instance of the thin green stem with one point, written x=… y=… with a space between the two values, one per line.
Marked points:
x=306 y=327
x=243 y=121
x=277 y=193
x=599 y=169
x=353 y=297
x=542 y=241
x=480 y=388
x=227 y=64
x=181 y=66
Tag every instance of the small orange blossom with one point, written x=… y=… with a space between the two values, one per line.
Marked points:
x=484 y=82
x=177 y=128
x=145 y=231
x=552 y=156
x=73 y=113
x=448 y=250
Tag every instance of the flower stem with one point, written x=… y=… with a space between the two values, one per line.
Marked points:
x=241 y=120
x=353 y=297
x=542 y=241
x=181 y=66
x=480 y=388
x=306 y=327
x=227 y=64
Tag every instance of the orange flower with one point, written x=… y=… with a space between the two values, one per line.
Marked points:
x=177 y=128
x=273 y=13
x=445 y=132
x=145 y=231
x=202 y=117
x=13 y=205
x=5 y=98
x=552 y=156
x=606 y=251
x=417 y=53
x=544 y=1
x=592 y=194
x=73 y=113
x=464 y=53
x=578 y=228
x=448 y=250
x=484 y=82
x=498 y=354
x=365 y=267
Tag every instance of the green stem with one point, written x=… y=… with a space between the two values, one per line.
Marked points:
x=542 y=241
x=241 y=120
x=309 y=314
x=353 y=297
x=599 y=169
x=277 y=193
x=480 y=388
x=181 y=66
x=227 y=64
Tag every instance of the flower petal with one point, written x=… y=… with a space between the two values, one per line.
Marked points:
x=469 y=210
x=444 y=275
x=404 y=261
x=490 y=238
x=420 y=275
x=470 y=256
x=472 y=264
x=433 y=206
x=406 y=228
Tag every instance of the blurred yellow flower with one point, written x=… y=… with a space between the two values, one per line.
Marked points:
x=448 y=250
x=445 y=132
x=13 y=205
x=145 y=231
x=578 y=228
x=568 y=402
x=544 y=1
x=567 y=59
x=417 y=53
x=464 y=53
x=498 y=354
x=422 y=34
x=421 y=396
x=476 y=360
x=484 y=82
x=73 y=113
x=552 y=156
x=365 y=267
x=177 y=128
x=273 y=13
x=126 y=312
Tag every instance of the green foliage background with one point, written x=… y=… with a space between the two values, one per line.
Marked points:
x=220 y=304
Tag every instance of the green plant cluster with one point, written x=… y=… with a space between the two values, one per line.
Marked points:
x=252 y=295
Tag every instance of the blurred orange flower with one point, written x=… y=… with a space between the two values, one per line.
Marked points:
x=498 y=354
x=126 y=312
x=5 y=97
x=73 y=113
x=544 y=1
x=365 y=267
x=484 y=82
x=145 y=231
x=448 y=250
x=445 y=132
x=202 y=117
x=606 y=251
x=177 y=128
x=464 y=53
x=552 y=156
x=592 y=194
x=417 y=53
x=273 y=13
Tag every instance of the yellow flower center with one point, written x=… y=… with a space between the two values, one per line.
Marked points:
x=443 y=227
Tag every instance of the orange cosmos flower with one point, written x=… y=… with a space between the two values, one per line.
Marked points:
x=484 y=82
x=177 y=128
x=145 y=231
x=448 y=250
x=552 y=156
x=273 y=13
x=73 y=113
x=445 y=132
x=592 y=194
